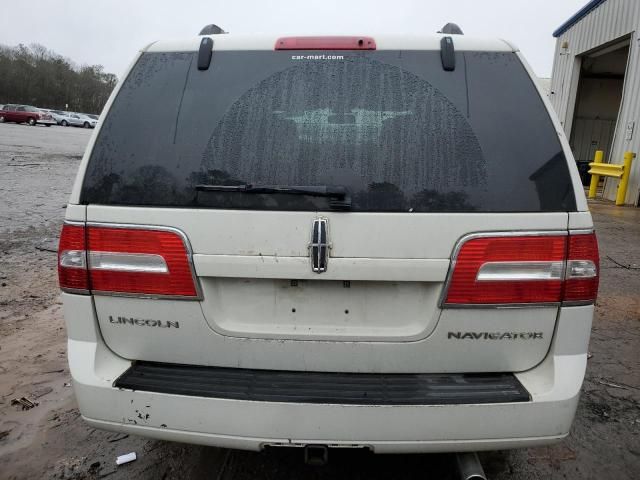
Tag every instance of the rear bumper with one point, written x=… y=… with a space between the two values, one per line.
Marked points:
x=46 y=122
x=554 y=386
x=254 y=425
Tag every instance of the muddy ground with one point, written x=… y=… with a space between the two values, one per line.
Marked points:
x=37 y=167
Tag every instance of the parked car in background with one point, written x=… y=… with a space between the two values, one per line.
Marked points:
x=61 y=118
x=92 y=121
x=25 y=114
x=74 y=119
x=91 y=115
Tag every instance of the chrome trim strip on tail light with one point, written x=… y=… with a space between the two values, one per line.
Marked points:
x=520 y=271
x=127 y=262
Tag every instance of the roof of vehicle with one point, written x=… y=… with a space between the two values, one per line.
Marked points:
x=383 y=42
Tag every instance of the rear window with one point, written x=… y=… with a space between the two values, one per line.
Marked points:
x=392 y=128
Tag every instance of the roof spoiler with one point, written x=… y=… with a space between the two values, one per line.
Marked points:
x=211 y=29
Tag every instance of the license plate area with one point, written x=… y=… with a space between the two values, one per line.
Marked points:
x=321 y=309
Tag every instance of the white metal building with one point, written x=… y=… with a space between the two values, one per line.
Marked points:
x=595 y=87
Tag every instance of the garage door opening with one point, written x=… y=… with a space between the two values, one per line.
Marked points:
x=598 y=100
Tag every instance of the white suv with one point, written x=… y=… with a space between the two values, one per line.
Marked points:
x=378 y=242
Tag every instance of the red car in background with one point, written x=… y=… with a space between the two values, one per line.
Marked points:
x=25 y=114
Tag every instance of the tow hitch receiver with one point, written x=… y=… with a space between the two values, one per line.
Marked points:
x=316 y=455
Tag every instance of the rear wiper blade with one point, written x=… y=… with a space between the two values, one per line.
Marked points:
x=338 y=192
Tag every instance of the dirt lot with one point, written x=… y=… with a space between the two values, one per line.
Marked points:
x=37 y=166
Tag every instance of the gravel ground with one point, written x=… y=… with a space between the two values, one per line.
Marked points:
x=50 y=441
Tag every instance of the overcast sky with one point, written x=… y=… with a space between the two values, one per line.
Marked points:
x=109 y=32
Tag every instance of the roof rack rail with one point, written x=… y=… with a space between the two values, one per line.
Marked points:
x=451 y=29
x=211 y=29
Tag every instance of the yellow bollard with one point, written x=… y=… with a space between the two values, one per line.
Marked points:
x=624 y=180
x=595 y=179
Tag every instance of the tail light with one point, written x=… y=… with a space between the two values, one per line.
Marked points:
x=583 y=269
x=524 y=269
x=127 y=261
x=72 y=259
